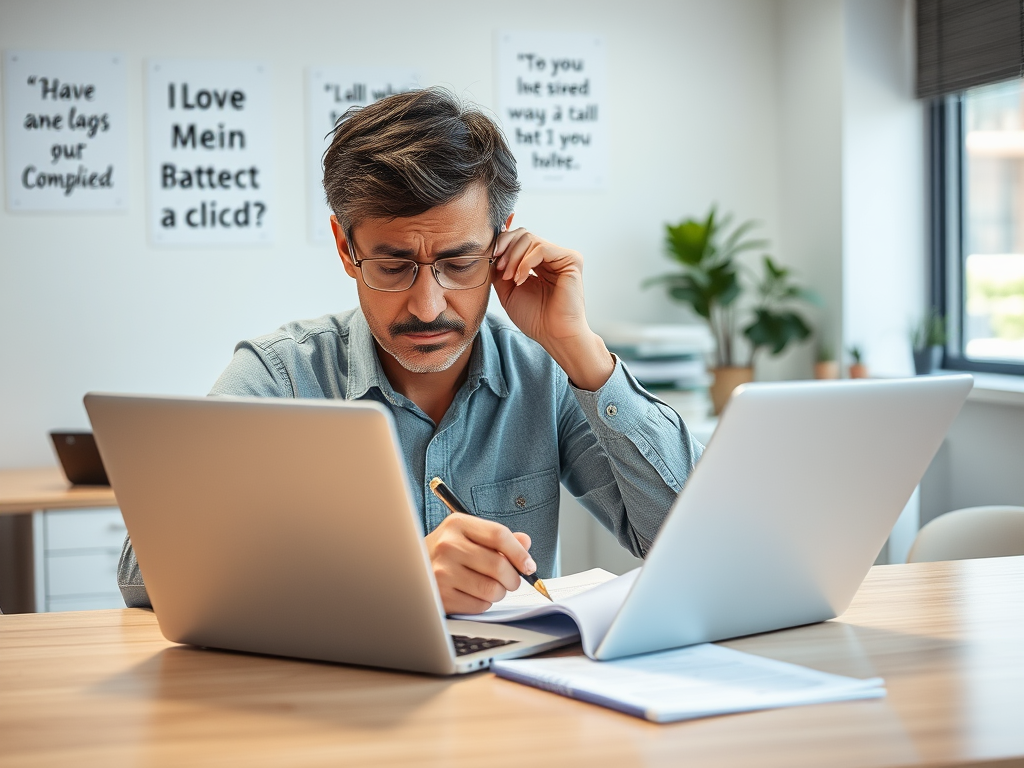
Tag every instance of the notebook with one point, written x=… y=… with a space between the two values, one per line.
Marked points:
x=688 y=683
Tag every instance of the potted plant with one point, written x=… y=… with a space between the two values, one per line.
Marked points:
x=709 y=282
x=775 y=322
x=826 y=366
x=858 y=370
x=927 y=339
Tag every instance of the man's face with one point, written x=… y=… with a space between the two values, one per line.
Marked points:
x=426 y=328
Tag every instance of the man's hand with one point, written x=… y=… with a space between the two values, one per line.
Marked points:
x=540 y=285
x=475 y=562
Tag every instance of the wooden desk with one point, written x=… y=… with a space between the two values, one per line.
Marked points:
x=23 y=491
x=42 y=488
x=104 y=688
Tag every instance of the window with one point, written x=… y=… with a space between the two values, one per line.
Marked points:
x=977 y=160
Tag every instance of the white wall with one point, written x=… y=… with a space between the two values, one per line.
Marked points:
x=86 y=303
x=810 y=98
x=979 y=462
x=884 y=236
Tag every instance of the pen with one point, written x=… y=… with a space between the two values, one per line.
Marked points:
x=450 y=500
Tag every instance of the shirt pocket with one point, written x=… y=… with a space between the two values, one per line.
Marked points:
x=517 y=496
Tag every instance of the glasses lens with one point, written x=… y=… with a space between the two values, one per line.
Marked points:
x=459 y=273
x=389 y=274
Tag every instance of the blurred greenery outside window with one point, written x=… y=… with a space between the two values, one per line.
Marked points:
x=991 y=290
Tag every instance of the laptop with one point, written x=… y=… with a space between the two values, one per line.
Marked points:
x=79 y=458
x=287 y=527
x=786 y=511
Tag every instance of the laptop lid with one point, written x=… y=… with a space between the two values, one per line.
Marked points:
x=283 y=527
x=787 y=509
x=79 y=457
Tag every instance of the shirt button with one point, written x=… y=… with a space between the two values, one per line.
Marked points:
x=611 y=410
x=521 y=502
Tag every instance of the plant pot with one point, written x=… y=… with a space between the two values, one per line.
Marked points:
x=827 y=369
x=858 y=371
x=927 y=360
x=726 y=380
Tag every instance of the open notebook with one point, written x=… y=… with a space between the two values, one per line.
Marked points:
x=590 y=598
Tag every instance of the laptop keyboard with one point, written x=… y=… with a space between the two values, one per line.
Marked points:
x=465 y=644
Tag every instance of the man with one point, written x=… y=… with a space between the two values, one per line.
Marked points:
x=423 y=190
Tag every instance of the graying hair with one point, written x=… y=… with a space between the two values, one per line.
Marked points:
x=413 y=151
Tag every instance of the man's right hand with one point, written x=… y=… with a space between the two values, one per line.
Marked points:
x=475 y=562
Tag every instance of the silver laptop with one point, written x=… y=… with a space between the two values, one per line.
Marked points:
x=787 y=509
x=287 y=527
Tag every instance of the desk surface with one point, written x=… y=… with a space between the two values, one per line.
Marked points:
x=26 y=490
x=104 y=688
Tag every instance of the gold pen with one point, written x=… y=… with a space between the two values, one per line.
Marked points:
x=450 y=500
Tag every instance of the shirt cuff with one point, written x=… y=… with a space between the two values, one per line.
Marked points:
x=619 y=405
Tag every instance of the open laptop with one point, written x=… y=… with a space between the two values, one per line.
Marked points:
x=79 y=457
x=786 y=511
x=287 y=527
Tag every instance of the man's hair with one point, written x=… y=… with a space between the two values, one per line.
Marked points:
x=413 y=151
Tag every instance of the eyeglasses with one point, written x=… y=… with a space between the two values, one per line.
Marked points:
x=454 y=273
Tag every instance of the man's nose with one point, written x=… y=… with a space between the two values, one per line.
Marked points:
x=426 y=296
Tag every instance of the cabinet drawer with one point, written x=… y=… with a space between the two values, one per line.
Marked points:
x=92 y=573
x=84 y=529
x=88 y=603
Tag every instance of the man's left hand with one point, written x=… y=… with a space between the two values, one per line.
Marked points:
x=540 y=285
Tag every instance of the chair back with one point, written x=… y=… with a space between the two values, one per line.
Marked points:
x=996 y=531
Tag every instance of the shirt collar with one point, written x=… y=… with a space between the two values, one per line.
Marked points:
x=365 y=371
x=485 y=361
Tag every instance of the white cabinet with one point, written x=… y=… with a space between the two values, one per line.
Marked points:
x=76 y=554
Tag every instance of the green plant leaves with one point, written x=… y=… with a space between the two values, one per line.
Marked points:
x=775 y=330
x=687 y=242
x=709 y=283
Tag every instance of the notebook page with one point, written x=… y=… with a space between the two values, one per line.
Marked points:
x=687 y=683
x=593 y=609
x=559 y=588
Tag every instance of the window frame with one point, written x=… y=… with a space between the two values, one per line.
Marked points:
x=947 y=193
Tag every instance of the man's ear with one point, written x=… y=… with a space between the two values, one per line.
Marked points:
x=508 y=221
x=342 y=242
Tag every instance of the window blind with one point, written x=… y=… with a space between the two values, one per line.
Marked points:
x=965 y=43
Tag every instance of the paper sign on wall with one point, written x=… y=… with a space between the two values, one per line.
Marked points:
x=65 y=120
x=210 y=152
x=551 y=101
x=332 y=90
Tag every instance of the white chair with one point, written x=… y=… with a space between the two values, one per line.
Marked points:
x=971 y=532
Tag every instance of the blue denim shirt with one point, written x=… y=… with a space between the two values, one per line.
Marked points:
x=516 y=428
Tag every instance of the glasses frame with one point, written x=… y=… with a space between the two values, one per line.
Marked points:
x=358 y=263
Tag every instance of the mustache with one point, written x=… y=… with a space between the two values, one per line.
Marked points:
x=440 y=324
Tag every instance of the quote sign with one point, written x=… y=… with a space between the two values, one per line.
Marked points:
x=210 y=152
x=65 y=120
x=332 y=90
x=551 y=101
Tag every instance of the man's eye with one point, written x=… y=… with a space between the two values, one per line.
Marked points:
x=393 y=267
x=457 y=266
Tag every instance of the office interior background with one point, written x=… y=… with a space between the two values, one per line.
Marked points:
x=801 y=114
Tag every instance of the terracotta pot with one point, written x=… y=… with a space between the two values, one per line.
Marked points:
x=726 y=380
x=858 y=371
x=827 y=369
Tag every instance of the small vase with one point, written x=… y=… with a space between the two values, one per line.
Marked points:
x=927 y=360
x=826 y=369
x=726 y=380
x=858 y=371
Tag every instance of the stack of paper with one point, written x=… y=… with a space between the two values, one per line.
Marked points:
x=687 y=683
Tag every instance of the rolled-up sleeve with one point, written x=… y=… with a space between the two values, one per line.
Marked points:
x=626 y=456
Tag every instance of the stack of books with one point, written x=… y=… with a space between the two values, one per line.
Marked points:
x=665 y=359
